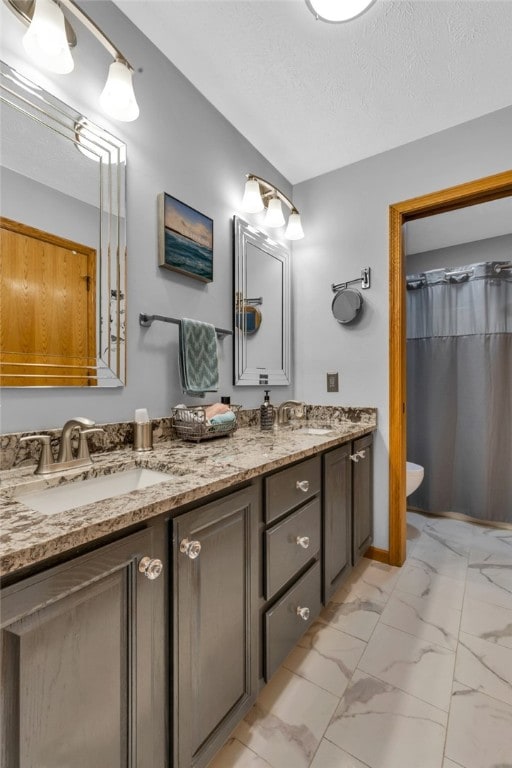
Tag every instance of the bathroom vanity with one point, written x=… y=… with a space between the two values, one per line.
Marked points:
x=137 y=631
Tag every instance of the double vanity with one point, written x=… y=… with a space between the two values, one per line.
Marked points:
x=139 y=623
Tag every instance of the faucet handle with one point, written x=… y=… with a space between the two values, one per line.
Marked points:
x=83 y=446
x=46 y=456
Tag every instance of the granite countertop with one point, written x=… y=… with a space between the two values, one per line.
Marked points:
x=196 y=471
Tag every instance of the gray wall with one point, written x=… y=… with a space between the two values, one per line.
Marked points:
x=345 y=217
x=490 y=249
x=179 y=144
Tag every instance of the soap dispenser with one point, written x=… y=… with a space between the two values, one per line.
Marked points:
x=266 y=412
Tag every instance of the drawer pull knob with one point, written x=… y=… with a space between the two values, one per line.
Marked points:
x=151 y=567
x=354 y=457
x=302 y=541
x=190 y=548
x=303 y=613
x=302 y=485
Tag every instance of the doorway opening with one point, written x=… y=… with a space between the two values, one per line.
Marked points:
x=471 y=193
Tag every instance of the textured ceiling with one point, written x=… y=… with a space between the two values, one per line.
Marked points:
x=313 y=97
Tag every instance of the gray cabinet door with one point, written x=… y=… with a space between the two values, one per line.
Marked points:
x=362 y=497
x=77 y=646
x=337 y=531
x=215 y=623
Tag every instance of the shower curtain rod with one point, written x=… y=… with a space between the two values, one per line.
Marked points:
x=459 y=272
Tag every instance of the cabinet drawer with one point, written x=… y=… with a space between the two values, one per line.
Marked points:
x=284 y=626
x=290 y=544
x=291 y=487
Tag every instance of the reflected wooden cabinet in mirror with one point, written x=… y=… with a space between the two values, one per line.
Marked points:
x=48 y=309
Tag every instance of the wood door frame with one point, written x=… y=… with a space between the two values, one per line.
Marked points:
x=461 y=196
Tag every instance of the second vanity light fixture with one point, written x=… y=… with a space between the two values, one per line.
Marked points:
x=260 y=194
x=48 y=41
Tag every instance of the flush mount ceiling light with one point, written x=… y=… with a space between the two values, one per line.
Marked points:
x=337 y=11
x=48 y=41
x=260 y=194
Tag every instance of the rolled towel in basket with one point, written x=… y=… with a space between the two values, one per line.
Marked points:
x=223 y=418
x=223 y=422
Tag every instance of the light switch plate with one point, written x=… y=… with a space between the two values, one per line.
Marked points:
x=333 y=382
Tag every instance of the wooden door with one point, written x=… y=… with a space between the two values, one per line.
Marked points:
x=78 y=679
x=362 y=500
x=337 y=531
x=47 y=309
x=215 y=624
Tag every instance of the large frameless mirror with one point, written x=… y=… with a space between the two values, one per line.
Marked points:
x=63 y=242
x=261 y=308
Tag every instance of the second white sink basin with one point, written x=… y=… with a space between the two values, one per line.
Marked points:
x=51 y=501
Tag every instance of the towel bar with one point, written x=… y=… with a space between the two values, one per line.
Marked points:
x=147 y=320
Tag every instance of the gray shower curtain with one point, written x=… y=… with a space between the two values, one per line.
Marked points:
x=459 y=389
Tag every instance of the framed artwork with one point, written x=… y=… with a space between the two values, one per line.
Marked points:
x=185 y=239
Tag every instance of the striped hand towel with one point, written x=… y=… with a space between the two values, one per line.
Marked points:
x=199 y=366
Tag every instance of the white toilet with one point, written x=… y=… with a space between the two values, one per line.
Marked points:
x=414 y=477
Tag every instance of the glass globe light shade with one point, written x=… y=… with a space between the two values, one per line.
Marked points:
x=118 y=98
x=45 y=40
x=294 y=229
x=252 y=201
x=274 y=216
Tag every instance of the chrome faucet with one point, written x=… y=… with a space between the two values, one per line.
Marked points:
x=65 y=453
x=283 y=410
x=65 y=458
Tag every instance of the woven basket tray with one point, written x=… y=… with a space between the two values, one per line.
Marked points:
x=191 y=423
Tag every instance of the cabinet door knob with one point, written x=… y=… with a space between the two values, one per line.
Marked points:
x=302 y=485
x=361 y=454
x=151 y=567
x=303 y=613
x=190 y=548
x=354 y=457
x=302 y=541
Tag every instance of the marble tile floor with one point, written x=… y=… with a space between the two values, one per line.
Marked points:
x=405 y=668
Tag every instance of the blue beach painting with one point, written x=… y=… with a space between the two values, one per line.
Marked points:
x=186 y=240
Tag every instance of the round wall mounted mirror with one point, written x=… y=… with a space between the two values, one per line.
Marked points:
x=347 y=305
x=248 y=319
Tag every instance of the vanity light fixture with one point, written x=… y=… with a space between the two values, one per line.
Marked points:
x=260 y=194
x=337 y=11
x=48 y=41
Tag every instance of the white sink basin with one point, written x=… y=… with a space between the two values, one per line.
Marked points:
x=51 y=501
